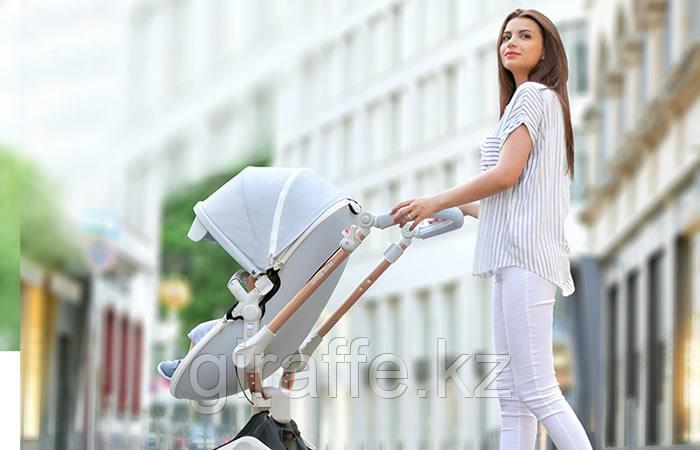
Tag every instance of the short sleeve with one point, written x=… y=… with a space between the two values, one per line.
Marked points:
x=526 y=107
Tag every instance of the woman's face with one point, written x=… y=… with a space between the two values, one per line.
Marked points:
x=521 y=45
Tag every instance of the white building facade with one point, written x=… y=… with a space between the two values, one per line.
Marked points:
x=642 y=217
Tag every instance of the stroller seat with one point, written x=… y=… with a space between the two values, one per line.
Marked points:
x=207 y=372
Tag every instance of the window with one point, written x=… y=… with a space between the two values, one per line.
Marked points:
x=423 y=112
x=632 y=354
x=421 y=28
x=394 y=320
x=655 y=351
x=312 y=75
x=396 y=123
x=397 y=27
x=581 y=56
x=624 y=121
x=667 y=38
x=578 y=187
x=137 y=369
x=685 y=366
x=108 y=332
x=644 y=71
x=481 y=84
x=434 y=14
x=422 y=182
x=305 y=154
x=335 y=71
x=693 y=20
x=451 y=98
x=335 y=158
x=621 y=125
x=124 y=363
x=324 y=152
x=177 y=51
x=347 y=147
x=323 y=82
x=140 y=63
x=451 y=347
x=450 y=296
x=425 y=344
x=426 y=348
x=431 y=114
x=375 y=134
x=137 y=188
x=351 y=59
x=604 y=138
x=452 y=17
x=449 y=169
x=575 y=39
x=379 y=42
x=371 y=402
x=464 y=95
x=612 y=369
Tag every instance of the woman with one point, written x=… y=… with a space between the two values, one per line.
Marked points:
x=524 y=190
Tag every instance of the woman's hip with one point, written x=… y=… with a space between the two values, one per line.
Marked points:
x=520 y=282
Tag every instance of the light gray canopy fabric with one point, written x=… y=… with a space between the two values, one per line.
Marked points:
x=257 y=214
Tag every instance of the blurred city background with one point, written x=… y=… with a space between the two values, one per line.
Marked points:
x=117 y=117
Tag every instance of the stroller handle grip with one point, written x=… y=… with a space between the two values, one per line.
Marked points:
x=450 y=219
x=384 y=221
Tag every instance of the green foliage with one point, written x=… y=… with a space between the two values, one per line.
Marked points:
x=45 y=235
x=32 y=225
x=9 y=252
x=205 y=265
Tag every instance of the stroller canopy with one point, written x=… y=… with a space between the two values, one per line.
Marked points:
x=257 y=214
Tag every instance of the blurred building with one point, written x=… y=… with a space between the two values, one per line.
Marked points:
x=123 y=103
x=52 y=335
x=391 y=100
x=83 y=366
x=642 y=217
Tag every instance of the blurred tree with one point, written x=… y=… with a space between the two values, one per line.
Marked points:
x=205 y=265
x=9 y=252
x=32 y=225
x=46 y=234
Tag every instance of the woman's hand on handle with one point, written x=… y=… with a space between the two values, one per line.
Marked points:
x=416 y=210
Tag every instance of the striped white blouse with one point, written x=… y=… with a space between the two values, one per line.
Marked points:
x=524 y=225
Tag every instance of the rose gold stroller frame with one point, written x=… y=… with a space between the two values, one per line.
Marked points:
x=297 y=301
x=244 y=354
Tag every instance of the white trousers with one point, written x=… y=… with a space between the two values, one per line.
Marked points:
x=523 y=308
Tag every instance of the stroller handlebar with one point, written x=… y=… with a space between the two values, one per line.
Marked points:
x=450 y=219
x=384 y=221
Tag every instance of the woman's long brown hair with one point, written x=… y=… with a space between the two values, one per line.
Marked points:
x=553 y=72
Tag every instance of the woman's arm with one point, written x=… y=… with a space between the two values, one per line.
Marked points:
x=470 y=209
x=510 y=165
x=481 y=186
x=502 y=176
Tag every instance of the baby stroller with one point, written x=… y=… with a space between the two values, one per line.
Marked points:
x=292 y=231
